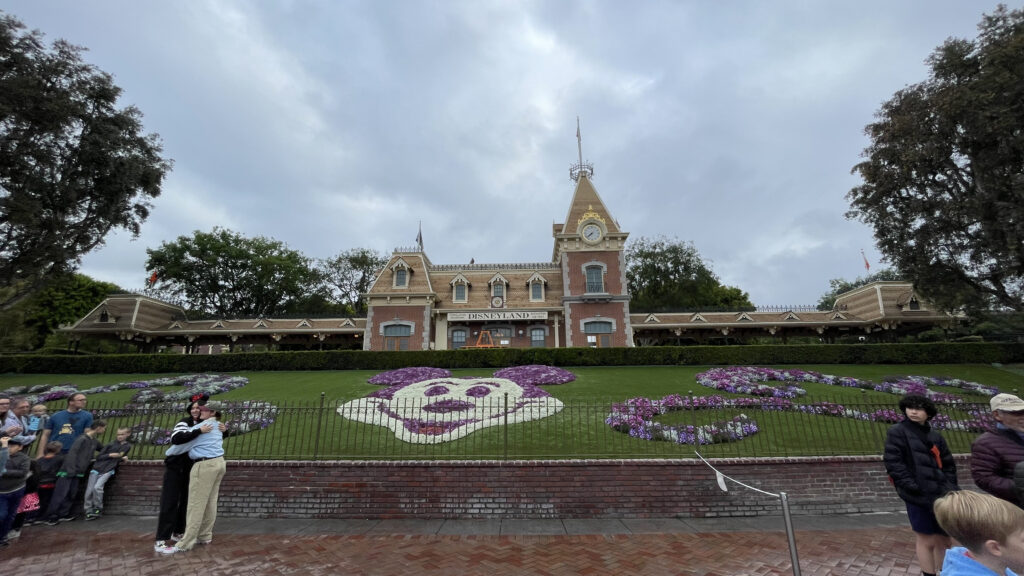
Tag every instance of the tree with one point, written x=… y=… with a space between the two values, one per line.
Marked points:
x=944 y=173
x=224 y=273
x=839 y=286
x=350 y=274
x=27 y=325
x=665 y=274
x=73 y=166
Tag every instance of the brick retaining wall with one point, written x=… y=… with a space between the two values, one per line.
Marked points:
x=529 y=489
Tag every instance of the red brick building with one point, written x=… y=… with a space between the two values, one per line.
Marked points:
x=578 y=298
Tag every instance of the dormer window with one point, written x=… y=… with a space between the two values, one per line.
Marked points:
x=914 y=304
x=499 y=288
x=400 y=273
x=536 y=286
x=460 y=289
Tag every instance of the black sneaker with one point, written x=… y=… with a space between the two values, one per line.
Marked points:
x=66 y=519
x=53 y=522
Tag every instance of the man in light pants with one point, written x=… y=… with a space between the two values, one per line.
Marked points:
x=207 y=454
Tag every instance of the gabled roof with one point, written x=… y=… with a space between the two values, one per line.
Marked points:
x=585 y=200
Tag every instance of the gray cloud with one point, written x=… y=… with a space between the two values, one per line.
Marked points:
x=331 y=125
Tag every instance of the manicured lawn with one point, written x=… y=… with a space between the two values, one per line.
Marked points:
x=303 y=430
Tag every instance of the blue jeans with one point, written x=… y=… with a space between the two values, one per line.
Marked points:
x=9 y=509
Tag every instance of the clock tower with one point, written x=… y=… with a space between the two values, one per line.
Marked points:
x=589 y=249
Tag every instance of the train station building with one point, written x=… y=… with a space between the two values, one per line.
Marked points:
x=577 y=297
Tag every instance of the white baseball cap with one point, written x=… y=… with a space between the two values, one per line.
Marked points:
x=1007 y=403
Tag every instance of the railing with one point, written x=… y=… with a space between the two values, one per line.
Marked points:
x=542 y=428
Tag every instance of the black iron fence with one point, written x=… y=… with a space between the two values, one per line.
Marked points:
x=543 y=428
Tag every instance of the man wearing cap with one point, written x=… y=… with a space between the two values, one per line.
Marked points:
x=207 y=454
x=995 y=453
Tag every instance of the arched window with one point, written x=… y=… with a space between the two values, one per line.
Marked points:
x=537 y=291
x=458 y=338
x=595 y=279
x=460 y=292
x=396 y=336
x=599 y=333
x=401 y=278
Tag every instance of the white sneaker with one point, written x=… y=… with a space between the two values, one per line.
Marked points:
x=159 y=544
x=169 y=550
x=176 y=537
x=13 y=534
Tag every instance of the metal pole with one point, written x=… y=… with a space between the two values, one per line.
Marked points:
x=789 y=533
x=319 y=426
x=504 y=426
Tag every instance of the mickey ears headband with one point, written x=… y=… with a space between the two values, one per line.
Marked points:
x=201 y=398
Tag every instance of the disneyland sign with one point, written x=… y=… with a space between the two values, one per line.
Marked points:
x=471 y=316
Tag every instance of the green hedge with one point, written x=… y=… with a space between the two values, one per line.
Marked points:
x=929 y=353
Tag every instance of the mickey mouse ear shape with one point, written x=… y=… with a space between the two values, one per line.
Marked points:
x=536 y=374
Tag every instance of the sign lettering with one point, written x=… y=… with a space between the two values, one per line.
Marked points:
x=511 y=315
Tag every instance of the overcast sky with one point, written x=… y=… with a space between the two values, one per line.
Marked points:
x=330 y=125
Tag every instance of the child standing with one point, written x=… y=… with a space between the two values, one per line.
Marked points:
x=38 y=419
x=921 y=468
x=49 y=464
x=12 y=487
x=106 y=463
x=76 y=463
x=991 y=529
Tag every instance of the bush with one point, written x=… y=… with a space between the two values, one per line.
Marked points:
x=918 y=353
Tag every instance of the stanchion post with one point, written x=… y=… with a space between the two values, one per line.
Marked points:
x=789 y=533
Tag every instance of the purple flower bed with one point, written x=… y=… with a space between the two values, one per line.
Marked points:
x=635 y=416
x=408 y=375
x=750 y=380
x=246 y=416
x=536 y=374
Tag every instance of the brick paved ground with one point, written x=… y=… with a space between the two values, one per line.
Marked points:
x=67 y=549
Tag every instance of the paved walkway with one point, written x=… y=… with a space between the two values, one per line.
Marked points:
x=849 y=545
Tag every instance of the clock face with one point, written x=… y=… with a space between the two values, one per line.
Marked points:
x=591 y=233
x=496 y=302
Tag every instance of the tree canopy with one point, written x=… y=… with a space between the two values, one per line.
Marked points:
x=350 y=274
x=664 y=274
x=839 y=286
x=943 y=177
x=65 y=299
x=73 y=166
x=227 y=274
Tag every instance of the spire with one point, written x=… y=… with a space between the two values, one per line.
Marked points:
x=419 y=237
x=579 y=140
x=576 y=170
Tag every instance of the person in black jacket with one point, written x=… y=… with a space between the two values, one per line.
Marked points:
x=170 y=523
x=921 y=468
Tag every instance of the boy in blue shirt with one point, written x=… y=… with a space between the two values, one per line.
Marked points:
x=991 y=530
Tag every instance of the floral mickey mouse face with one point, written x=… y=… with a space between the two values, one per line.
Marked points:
x=443 y=409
